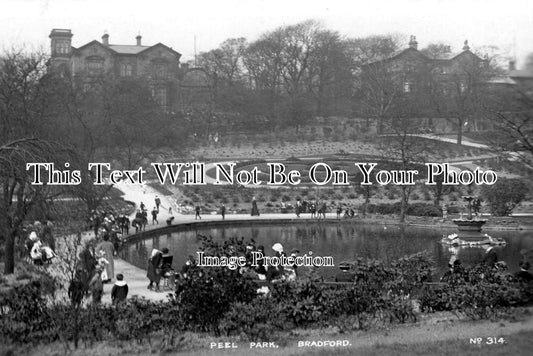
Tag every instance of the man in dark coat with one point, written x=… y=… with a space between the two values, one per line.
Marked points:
x=154 y=269
x=88 y=264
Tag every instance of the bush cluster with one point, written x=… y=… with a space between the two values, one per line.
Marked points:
x=219 y=300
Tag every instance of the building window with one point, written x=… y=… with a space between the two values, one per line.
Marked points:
x=160 y=96
x=95 y=66
x=126 y=70
x=61 y=48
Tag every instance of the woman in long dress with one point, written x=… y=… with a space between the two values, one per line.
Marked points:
x=109 y=249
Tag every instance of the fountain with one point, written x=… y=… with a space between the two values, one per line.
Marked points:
x=470 y=230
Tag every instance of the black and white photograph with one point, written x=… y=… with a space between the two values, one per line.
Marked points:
x=280 y=177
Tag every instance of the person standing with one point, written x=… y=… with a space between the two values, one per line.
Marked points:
x=255 y=210
x=223 y=212
x=157 y=202
x=109 y=249
x=197 y=210
x=154 y=216
x=119 y=292
x=154 y=269
x=88 y=263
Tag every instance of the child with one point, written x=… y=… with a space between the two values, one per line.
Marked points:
x=119 y=292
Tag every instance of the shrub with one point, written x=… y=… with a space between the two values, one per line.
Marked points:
x=256 y=320
x=207 y=293
x=504 y=195
x=422 y=209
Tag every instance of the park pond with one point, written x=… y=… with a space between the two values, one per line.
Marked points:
x=343 y=241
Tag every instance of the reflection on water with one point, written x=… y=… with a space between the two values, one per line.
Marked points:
x=344 y=242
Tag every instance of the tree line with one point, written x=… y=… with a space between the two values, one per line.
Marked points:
x=50 y=116
x=297 y=72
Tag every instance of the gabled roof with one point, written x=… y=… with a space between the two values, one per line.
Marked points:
x=161 y=45
x=127 y=49
x=406 y=51
x=93 y=42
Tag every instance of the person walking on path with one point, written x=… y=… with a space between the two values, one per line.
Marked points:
x=197 y=216
x=109 y=249
x=157 y=202
x=255 y=210
x=154 y=216
x=223 y=212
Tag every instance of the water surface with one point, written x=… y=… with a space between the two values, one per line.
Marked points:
x=343 y=241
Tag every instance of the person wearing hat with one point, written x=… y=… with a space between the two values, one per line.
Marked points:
x=275 y=272
x=524 y=275
x=345 y=275
x=154 y=269
x=490 y=257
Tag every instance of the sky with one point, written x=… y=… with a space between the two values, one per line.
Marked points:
x=507 y=24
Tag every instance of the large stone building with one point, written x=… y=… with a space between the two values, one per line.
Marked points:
x=424 y=83
x=158 y=64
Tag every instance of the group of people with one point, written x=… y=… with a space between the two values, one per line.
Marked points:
x=316 y=209
x=349 y=212
x=96 y=267
x=41 y=243
x=490 y=259
x=111 y=223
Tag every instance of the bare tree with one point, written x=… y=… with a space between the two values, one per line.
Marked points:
x=26 y=135
x=378 y=84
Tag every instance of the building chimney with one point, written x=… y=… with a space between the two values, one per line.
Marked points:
x=105 y=39
x=512 y=65
x=412 y=43
x=466 y=47
x=139 y=38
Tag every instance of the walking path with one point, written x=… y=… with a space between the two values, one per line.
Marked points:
x=447 y=139
x=136 y=277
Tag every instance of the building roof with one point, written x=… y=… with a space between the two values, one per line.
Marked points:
x=128 y=49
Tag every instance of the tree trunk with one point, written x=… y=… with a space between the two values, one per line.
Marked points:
x=403 y=208
x=9 y=266
x=460 y=123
